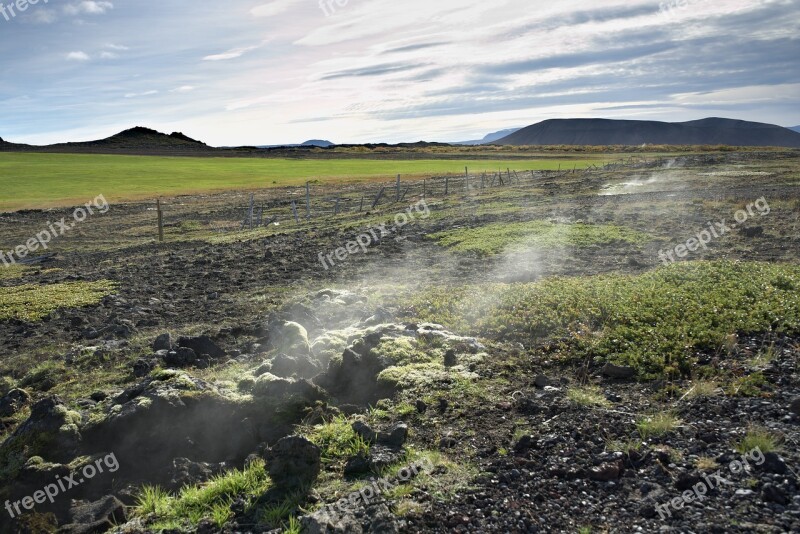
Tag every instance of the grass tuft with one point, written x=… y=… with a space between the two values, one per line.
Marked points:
x=758 y=438
x=587 y=396
x=657 y=425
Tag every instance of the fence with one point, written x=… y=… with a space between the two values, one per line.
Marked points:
x=313 y=201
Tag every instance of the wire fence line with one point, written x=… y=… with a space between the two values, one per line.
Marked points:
x=314 y=201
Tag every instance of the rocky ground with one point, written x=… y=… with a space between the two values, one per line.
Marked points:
x=222 y=355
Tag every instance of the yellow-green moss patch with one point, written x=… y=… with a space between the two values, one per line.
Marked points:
x=32 y=302
x=504 y=237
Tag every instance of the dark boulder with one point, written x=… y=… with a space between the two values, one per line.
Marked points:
x=202 y=345
x=163 y=342
x=294 y=463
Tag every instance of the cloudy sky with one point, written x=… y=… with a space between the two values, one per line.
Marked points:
x=279 y=71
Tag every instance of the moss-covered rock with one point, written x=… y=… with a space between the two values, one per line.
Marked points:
x=290 y=338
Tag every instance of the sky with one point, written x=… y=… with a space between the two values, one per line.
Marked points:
x=239 y=72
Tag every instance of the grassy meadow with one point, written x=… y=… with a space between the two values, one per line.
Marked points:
x=29 y=181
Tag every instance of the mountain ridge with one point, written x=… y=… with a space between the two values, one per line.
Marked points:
x=488 y=138
x=603 y=132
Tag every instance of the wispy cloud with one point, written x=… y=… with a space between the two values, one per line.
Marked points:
x=276 y=7
x=78 y=56
x=230 y=54
x=137 y=95
x=88 y=7
x=44 y=16
x=182 y=89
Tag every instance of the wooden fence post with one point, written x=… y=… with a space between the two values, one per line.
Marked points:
x=308 y=201
x=294 y=210
x=378 y=198
x=160 y=221
x=397 y=195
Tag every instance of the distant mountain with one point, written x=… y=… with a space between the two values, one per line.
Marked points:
x=318 y=142
x=133 y=141
x=494 y=136
x=795 y=128
x=711 y=131
x=143 y=137
x=312 y=143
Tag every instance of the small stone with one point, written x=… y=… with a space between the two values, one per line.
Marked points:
x=366 y=433
x=686 y=481
x=397 y=435
x=142 y=367
x=795 y=407
x=182 y=357
x=618 y=371
x=541 y=381
x=421 y=406
x=605 y=472
x=773 y=464
x=357 y=465
x=163 y=342
x=450 y=359
x=202 y=345
x=448 y=443
x=523 y=444
x=772 y=493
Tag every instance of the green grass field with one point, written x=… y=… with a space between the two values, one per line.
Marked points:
x=29 y=181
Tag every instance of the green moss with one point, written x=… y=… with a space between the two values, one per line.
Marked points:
x=656 y=322
x=405 y=350
x=22 y=448
x=11 y=272
x=414 y=375
x=497 y=238
x=33 y=302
